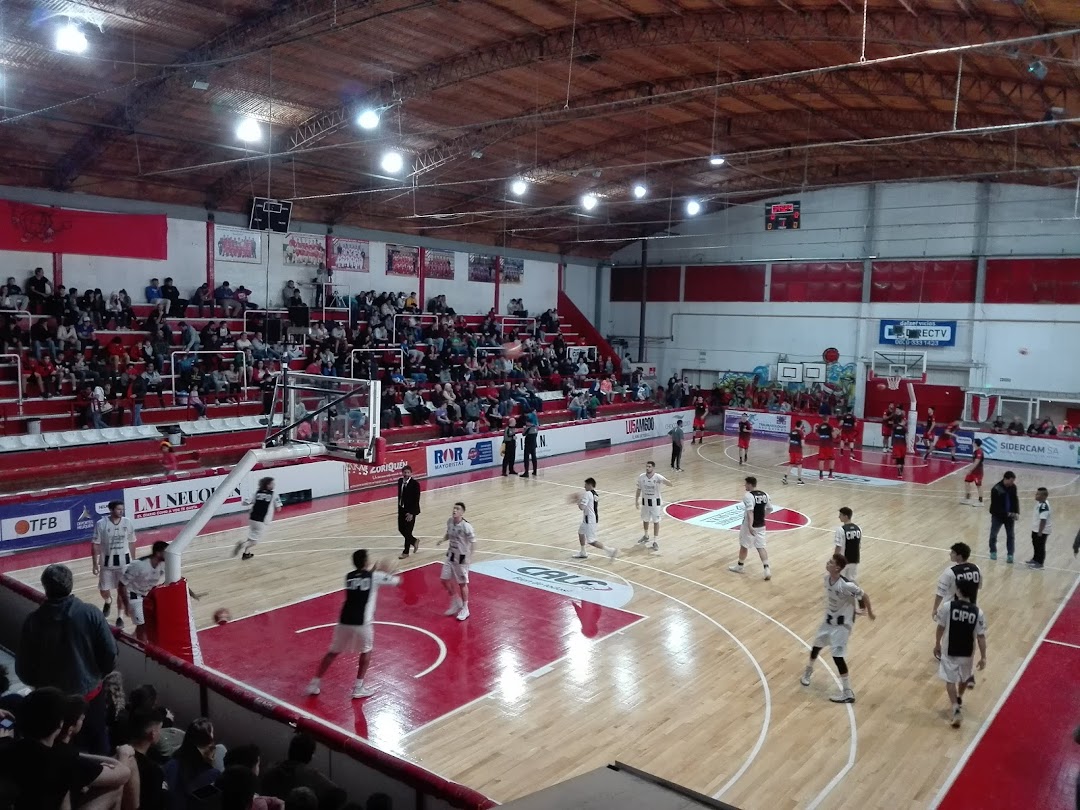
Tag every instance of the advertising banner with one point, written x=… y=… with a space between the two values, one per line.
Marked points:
x=303 y=250
x=439 y=264
x=934 y=334
x=455 y=457
x=237 y=245
x=402 y=261
x=1031 y=450
x=175 y=501
x=349 y=255
x=54 y=521
x=585 y=586
x=768 y=425
x=363 y=476
x=964 y=441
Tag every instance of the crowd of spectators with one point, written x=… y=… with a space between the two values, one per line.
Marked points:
x=1042 y=427
x=407 y=347
x=76 y=739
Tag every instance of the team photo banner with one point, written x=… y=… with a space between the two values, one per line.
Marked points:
x=402 y=260
x=237 y=245
x=439 y=264
x=303 y=250
x=350 y=255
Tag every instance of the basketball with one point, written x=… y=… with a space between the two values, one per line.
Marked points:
x=385 y=564
x=222 y=616
x=830 y=355
x=881 y=386
x=572 y=498
x=513 y=350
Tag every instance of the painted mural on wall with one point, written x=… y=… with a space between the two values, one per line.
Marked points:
x=756 y=385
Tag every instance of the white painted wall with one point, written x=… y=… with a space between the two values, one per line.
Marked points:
x=579 y=284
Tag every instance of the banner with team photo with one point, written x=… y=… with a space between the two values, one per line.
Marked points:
x=482 y=267
x=513 y=271
x=349 y=255
x=766 y=425
x=439 y=264
x=1031 y=450
x=303 y=250
x=53 y=521
x=237 y=245
x=402 y=261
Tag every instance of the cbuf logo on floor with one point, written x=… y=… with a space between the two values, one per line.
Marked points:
x=586 y=586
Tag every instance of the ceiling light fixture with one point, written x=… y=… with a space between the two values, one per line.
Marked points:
x=392 y=162
x=640 y=191
x=589 y=201
x=519 y=186
x=368 y=119
x=693 y=208
x=249 y=130
x=70 y=39
x=1038 y=69
x=717 y=160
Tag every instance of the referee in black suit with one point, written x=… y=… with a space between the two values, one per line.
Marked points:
x=408 y=507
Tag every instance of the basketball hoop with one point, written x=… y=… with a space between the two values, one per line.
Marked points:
x=893 y=382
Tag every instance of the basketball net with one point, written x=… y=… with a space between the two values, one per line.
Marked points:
x=893 y=382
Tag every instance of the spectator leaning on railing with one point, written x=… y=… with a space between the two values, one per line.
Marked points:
x=67 y=644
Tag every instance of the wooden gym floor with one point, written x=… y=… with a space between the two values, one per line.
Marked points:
x=696 y=677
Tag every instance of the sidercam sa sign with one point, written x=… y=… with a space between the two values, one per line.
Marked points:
x=934 y=334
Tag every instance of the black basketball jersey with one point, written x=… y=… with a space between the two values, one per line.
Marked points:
x=848 y=421
x=746 y=427
x=968 y=572
x=962 y=627
x=358 y=591
x=824 y=433
x=852 y=542
x=899 y=435
x=761 y=500
x=700 y=408
x=263 y=499
x=795 y=439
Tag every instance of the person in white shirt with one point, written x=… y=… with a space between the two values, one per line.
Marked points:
x=138 y=579
x=111 y=551
x=455 y=568
x=1040 y=529
x=841 y=598
x=756 y=506
x=589 y=504
x=647 y=498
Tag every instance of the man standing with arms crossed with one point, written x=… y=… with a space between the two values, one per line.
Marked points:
x=1004 y=510
x=408 y=507
x=111 y=551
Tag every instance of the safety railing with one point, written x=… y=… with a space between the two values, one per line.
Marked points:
x=18 y=377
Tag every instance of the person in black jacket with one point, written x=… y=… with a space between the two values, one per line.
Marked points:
x=408 y=507
x=67 y=644
x=1004 y=510
x=509 y=448
x=531 y=433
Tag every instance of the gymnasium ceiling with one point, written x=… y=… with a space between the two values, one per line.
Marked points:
x=577 y=97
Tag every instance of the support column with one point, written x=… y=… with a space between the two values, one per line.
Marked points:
x=863 y=333
x=977 y=360
x=210 y=255
x=644 y=298
x=421 y=296
x=57 y=269
x=498 y=282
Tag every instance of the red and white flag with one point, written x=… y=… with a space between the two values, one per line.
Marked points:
x=984 y=407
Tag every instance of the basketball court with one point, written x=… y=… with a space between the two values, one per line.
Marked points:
x=663 y=660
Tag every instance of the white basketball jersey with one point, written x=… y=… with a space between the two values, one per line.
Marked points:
x=116 y=540
x=840 y=598
x=587 y=504
x=460 y=537
x=650 y=487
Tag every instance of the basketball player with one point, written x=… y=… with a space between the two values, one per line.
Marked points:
x=796 y=437
x=354 y=632
x=1040 y=529
x=975 y=474
x=887 y=426
x=138 y=579
x=647 y=498
x=700 y=410
x=455 y=568
x=841 y=596
x=111 y=551
x=847 y=542
x=589 y=504
x=928 y=432
x=752 y=532
x=848 y=431
x=960 y=623
x=826 y=434
x=746 y=429
x=947 y=440
x=262 y=512
x=899 y=445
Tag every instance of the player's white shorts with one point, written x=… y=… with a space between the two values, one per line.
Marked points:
x=352 y=638
x=851 y=571
x=458 y=571
x=750 y=537
x=833 y=636
x=955 y=670
x=588 y=531
x=650 y=514
x=136 y=605
x=109 y=579
x=256 y=530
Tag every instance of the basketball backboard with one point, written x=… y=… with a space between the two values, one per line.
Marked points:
x=908 y=366
x=340 y=413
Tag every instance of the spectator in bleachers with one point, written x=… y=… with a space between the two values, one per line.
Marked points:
x=12 y=297
x=99 y=781
x=43 y=337
x=189 y=338
x=443 y=421
x=225 y=297
x=296 y=772
x=414 y=405
x=202 y=299
x=38 y=287
x=177 y=305
x=67 y=644
x=56 y=303
x=155 y=297
x=66 y=337
x=144 y=730
x=192 y=766
x=578 y=405
x=249 y=758
x=243 y=298
x=289 y=295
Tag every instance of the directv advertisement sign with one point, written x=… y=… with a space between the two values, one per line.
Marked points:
x=934 y=334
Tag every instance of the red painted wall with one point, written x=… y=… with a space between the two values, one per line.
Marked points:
x=936 y=282
x=823 y=281
x=1033 y=281
x=663 y=284
x=946 y=400
x=732 y=282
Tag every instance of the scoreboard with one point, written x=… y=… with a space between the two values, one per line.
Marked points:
x=782 y=216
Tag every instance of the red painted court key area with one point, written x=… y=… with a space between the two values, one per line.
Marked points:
x=514 y=630
x=873 y=466
x=1027 y=758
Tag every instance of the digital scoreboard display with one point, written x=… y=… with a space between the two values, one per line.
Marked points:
x=782 y=216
